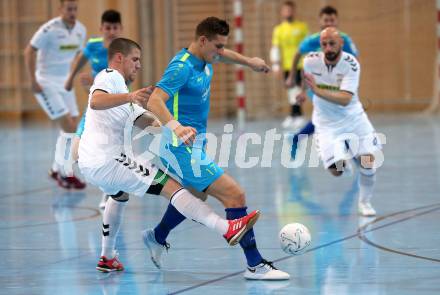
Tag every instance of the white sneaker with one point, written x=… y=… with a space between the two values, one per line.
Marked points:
x=366 y=209
x=103 y=201
x=154 y=247
x=265 y=271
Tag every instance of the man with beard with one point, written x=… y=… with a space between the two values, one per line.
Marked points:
x=343 y=130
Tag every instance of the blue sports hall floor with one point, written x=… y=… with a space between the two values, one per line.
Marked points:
x=50 y=237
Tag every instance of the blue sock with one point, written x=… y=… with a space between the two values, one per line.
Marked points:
x=248 y=243
x=308 y=129
x=170 y=220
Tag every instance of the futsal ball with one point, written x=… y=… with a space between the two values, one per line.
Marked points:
x=294 y=238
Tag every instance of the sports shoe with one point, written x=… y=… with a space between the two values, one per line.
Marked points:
x=265 y=271
x=366 y=209
x=239 y=227
x=154 y=247
x=70 y=182
x=109 y=265
x=103 y=201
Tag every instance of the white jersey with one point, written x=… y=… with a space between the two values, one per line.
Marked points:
x=329 y=116
x=104 y=130
x=57 y=46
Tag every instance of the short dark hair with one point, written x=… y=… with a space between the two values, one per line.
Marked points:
x=289 y=3
x=111 y=16
x=328 y=10
x=122 y=45
x=211 y=26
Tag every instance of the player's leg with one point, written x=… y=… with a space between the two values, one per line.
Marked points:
x=295 y=120
x=111 y=223
x=308 y=129
x=52 y=102
x=232 y=196
x=367 y=181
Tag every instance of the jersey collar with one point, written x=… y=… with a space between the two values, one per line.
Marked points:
x=197 y=62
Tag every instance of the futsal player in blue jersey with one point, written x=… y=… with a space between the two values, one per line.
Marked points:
x=95 y=53
x=328 y=17
x=181 y=102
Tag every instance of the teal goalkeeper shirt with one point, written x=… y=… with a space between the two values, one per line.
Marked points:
x=187 y=81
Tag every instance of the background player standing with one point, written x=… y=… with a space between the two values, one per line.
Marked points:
x=286 y=38
x=48 y=57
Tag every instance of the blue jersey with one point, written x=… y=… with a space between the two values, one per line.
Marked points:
x=187 y=81
x=311 y=44
x=96 y=53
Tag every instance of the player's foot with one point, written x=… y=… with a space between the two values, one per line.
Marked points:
x=70 y=182
x=265 y=271
x=239 y=227
x=156 y=249
x=53 y=174
x=109 y=265
x=103 y=201
x=366 y=209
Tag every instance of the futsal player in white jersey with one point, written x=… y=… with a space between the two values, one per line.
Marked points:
x=48 y=57
x=103 y=161
x=343 y=129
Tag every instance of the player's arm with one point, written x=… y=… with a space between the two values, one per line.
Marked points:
x=30 y=59
x=156 y=104
x=102 y=100
x=255 y=63
x=79 y=62
x=340 y=97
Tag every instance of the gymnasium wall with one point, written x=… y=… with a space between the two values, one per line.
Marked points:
x=396 y=39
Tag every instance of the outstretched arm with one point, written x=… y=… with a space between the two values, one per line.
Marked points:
x=255 y=63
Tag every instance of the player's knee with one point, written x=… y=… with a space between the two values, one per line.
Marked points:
x=367 y=162
x=120 y=197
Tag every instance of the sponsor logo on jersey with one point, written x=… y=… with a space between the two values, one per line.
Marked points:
x=68 y=47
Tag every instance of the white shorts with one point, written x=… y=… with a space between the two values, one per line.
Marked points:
x=344 y=146
x=55 y=100
x=126 y=175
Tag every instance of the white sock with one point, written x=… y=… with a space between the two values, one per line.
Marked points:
x=193 y=208
x=366 y=186
x=111 y=222
x=55 y=166
x=63 y=155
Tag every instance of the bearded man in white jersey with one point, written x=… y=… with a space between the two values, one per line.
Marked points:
x=343 y=130
x=103 y=161
x=48 y=57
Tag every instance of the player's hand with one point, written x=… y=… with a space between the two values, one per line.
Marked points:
x=258 y=65
x=301 y=97
x=36 y=88
x=310 y=81
x=186 y=134
x=141 y=96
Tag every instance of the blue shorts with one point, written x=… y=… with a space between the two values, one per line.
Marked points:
x=192 y=166
x=80 y=127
